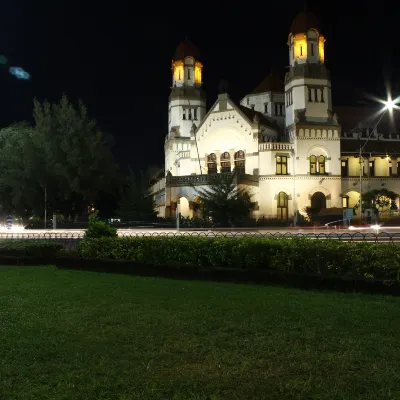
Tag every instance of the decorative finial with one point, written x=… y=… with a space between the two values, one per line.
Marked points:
x=223 y=86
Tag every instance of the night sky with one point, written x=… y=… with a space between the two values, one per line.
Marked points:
x=117 y=58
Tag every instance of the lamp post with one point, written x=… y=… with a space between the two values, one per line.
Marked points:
x=388 y=106
x=294 y=189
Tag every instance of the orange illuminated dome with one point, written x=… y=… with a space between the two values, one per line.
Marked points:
x=303 y=22
x=186 y=48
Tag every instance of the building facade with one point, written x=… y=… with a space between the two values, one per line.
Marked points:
x=286 y=140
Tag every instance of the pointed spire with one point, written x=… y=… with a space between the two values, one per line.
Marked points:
x=223 y=86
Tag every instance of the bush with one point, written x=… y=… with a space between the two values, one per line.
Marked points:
x=29 y=248
x=99 y=229
x=294 y=255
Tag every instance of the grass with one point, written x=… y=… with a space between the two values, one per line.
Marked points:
x=76 y=335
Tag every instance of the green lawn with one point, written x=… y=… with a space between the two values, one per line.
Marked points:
x=76 y=335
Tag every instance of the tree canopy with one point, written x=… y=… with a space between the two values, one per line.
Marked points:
x=224 y=201
x=380 y=199
x=136 y=204
x=63 y=154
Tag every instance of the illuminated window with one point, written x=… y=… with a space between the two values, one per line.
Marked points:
x=321 y=49
x=281 y=165
x=345 y=202
x=321 y=165
x=313 y=165
x=212 y=163
x=282 y=205
x=240 y=161
x=225 y=162
x=197 y=73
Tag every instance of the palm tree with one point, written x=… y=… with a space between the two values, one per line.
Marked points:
x=224 y=201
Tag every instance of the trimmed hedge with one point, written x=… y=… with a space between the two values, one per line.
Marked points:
x=330 y=258
x=29 y=248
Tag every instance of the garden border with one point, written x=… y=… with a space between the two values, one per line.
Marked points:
x=217 y=274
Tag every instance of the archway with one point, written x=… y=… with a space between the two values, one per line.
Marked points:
x=318 y=201
x=353 y=198
x=184 y=207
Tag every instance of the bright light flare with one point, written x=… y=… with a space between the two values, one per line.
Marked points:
x=13 y=229
x=376 y=227
x=390 y=104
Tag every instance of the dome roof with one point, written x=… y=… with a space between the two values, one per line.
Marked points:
x=305 y=21
x=270 y=84
x=186 y=48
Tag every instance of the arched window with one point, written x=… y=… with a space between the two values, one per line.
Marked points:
x=321 y=165
x=225 y=162
x=212 y=163
x=240 y=161
x=313 y=165
x=282 y=206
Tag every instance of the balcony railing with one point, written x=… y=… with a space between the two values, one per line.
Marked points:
x=274 y=146
x=206 y=179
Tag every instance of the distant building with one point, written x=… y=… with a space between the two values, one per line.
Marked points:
x=292 y=147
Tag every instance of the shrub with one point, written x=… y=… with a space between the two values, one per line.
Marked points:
x=295 y=255
x=23 y=248
x=99 y=229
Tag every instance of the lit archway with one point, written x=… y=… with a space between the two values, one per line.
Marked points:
x=353 y=198
x=184 y=207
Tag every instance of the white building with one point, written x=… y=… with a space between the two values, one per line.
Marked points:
x=292 y=150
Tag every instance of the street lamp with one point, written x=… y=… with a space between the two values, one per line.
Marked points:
x=389 y=105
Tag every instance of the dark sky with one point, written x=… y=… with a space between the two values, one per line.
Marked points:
x=116 y=57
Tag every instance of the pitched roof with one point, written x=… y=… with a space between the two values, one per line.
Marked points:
x=264 y=120
x=373 y=146
x=357 y=118
x=303 y=22
x=271 y=83
x=186 y=48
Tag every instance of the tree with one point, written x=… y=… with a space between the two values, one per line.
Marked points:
x=379 y=199
x=136 y=204
x=224 y=201
x=64 y=157
x=20 y=165
x=78 y=158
